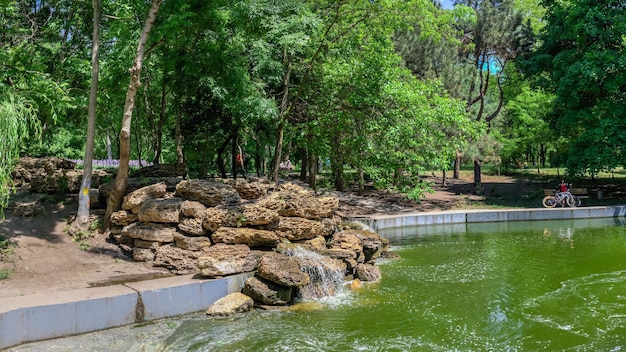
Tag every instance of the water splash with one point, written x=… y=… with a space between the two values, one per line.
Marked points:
x=327 y=274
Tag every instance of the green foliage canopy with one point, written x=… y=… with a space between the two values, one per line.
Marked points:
x=584 y=57
x=30 y=97
x=223 y=69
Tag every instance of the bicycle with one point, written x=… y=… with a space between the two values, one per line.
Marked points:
x=562 y=198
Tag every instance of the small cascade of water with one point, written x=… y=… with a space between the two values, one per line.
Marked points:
x=327 y=274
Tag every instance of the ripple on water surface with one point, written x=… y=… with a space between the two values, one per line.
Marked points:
x=588 y=309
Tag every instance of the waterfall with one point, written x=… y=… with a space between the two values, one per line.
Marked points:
x=327 y=274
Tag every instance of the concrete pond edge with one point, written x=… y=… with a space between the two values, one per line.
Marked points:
x=383 y=222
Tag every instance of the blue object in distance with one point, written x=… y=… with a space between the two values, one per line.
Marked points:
x=447 y=4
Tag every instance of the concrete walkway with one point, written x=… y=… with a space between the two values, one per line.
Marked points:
x=45 y=316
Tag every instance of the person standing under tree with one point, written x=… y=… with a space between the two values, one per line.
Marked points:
x=240 y=163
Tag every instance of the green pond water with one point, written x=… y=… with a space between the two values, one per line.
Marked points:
x=517 y=286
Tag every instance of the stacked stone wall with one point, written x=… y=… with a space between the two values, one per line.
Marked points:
x=226 y=227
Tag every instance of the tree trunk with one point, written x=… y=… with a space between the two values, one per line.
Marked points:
x=82 y=216
x=220 y=157
x=109 y=151
x=397 y=176
x=477 y=173
x=457 y=166
x=204 y=157
x=180 y=157
x=158 y=133
x=444 y=179
x=304 y=164
x=361 y=182
x=336 y=164
x=121 y=179
x=284 y=111
x=234 y=150
x=337 y=174
x=257 y=158
x=312 y=166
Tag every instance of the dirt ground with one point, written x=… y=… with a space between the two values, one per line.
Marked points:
x=42 y=257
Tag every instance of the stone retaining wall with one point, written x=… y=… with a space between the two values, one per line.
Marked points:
x=227 y=227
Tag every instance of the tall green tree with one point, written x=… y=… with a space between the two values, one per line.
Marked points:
x=121 y=179
x=30 y=96
x=372 y=115
x=498 y=37
x=82 y=215
x=527 y=136
x=583 y=55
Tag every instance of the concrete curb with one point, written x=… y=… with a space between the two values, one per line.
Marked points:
x=45 y=316
x=381 y=222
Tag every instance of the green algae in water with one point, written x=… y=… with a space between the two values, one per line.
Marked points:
x=527 y=286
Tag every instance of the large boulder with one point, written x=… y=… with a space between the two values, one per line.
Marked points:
x=249 y=189
x=266 y=292
x=295 y=201
x=338 y=253
x=161 y=170
x=246 y=215
x=135 y=199
x=191 y=222
x=367 y=272
x=296 y=229
x=367 y=244
x=216 y=217
x=139 y=243
x=165 y=210
x=282 y=270
x=251 y=237
x=231 y=304
x=315 y=244
x=143 y=254
x=123 y=218
x=347 y=240
x=192 y=226
x=191 y=243
x=176 y=260
x=255 y=215
x=137 y=183
x=150 y=232
x=209 y=193
x=332 y=225
x=224 y=259
x=374 y=245
x=193 y=209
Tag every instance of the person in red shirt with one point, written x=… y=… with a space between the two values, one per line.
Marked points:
x=240 y=165
x=562 y=187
